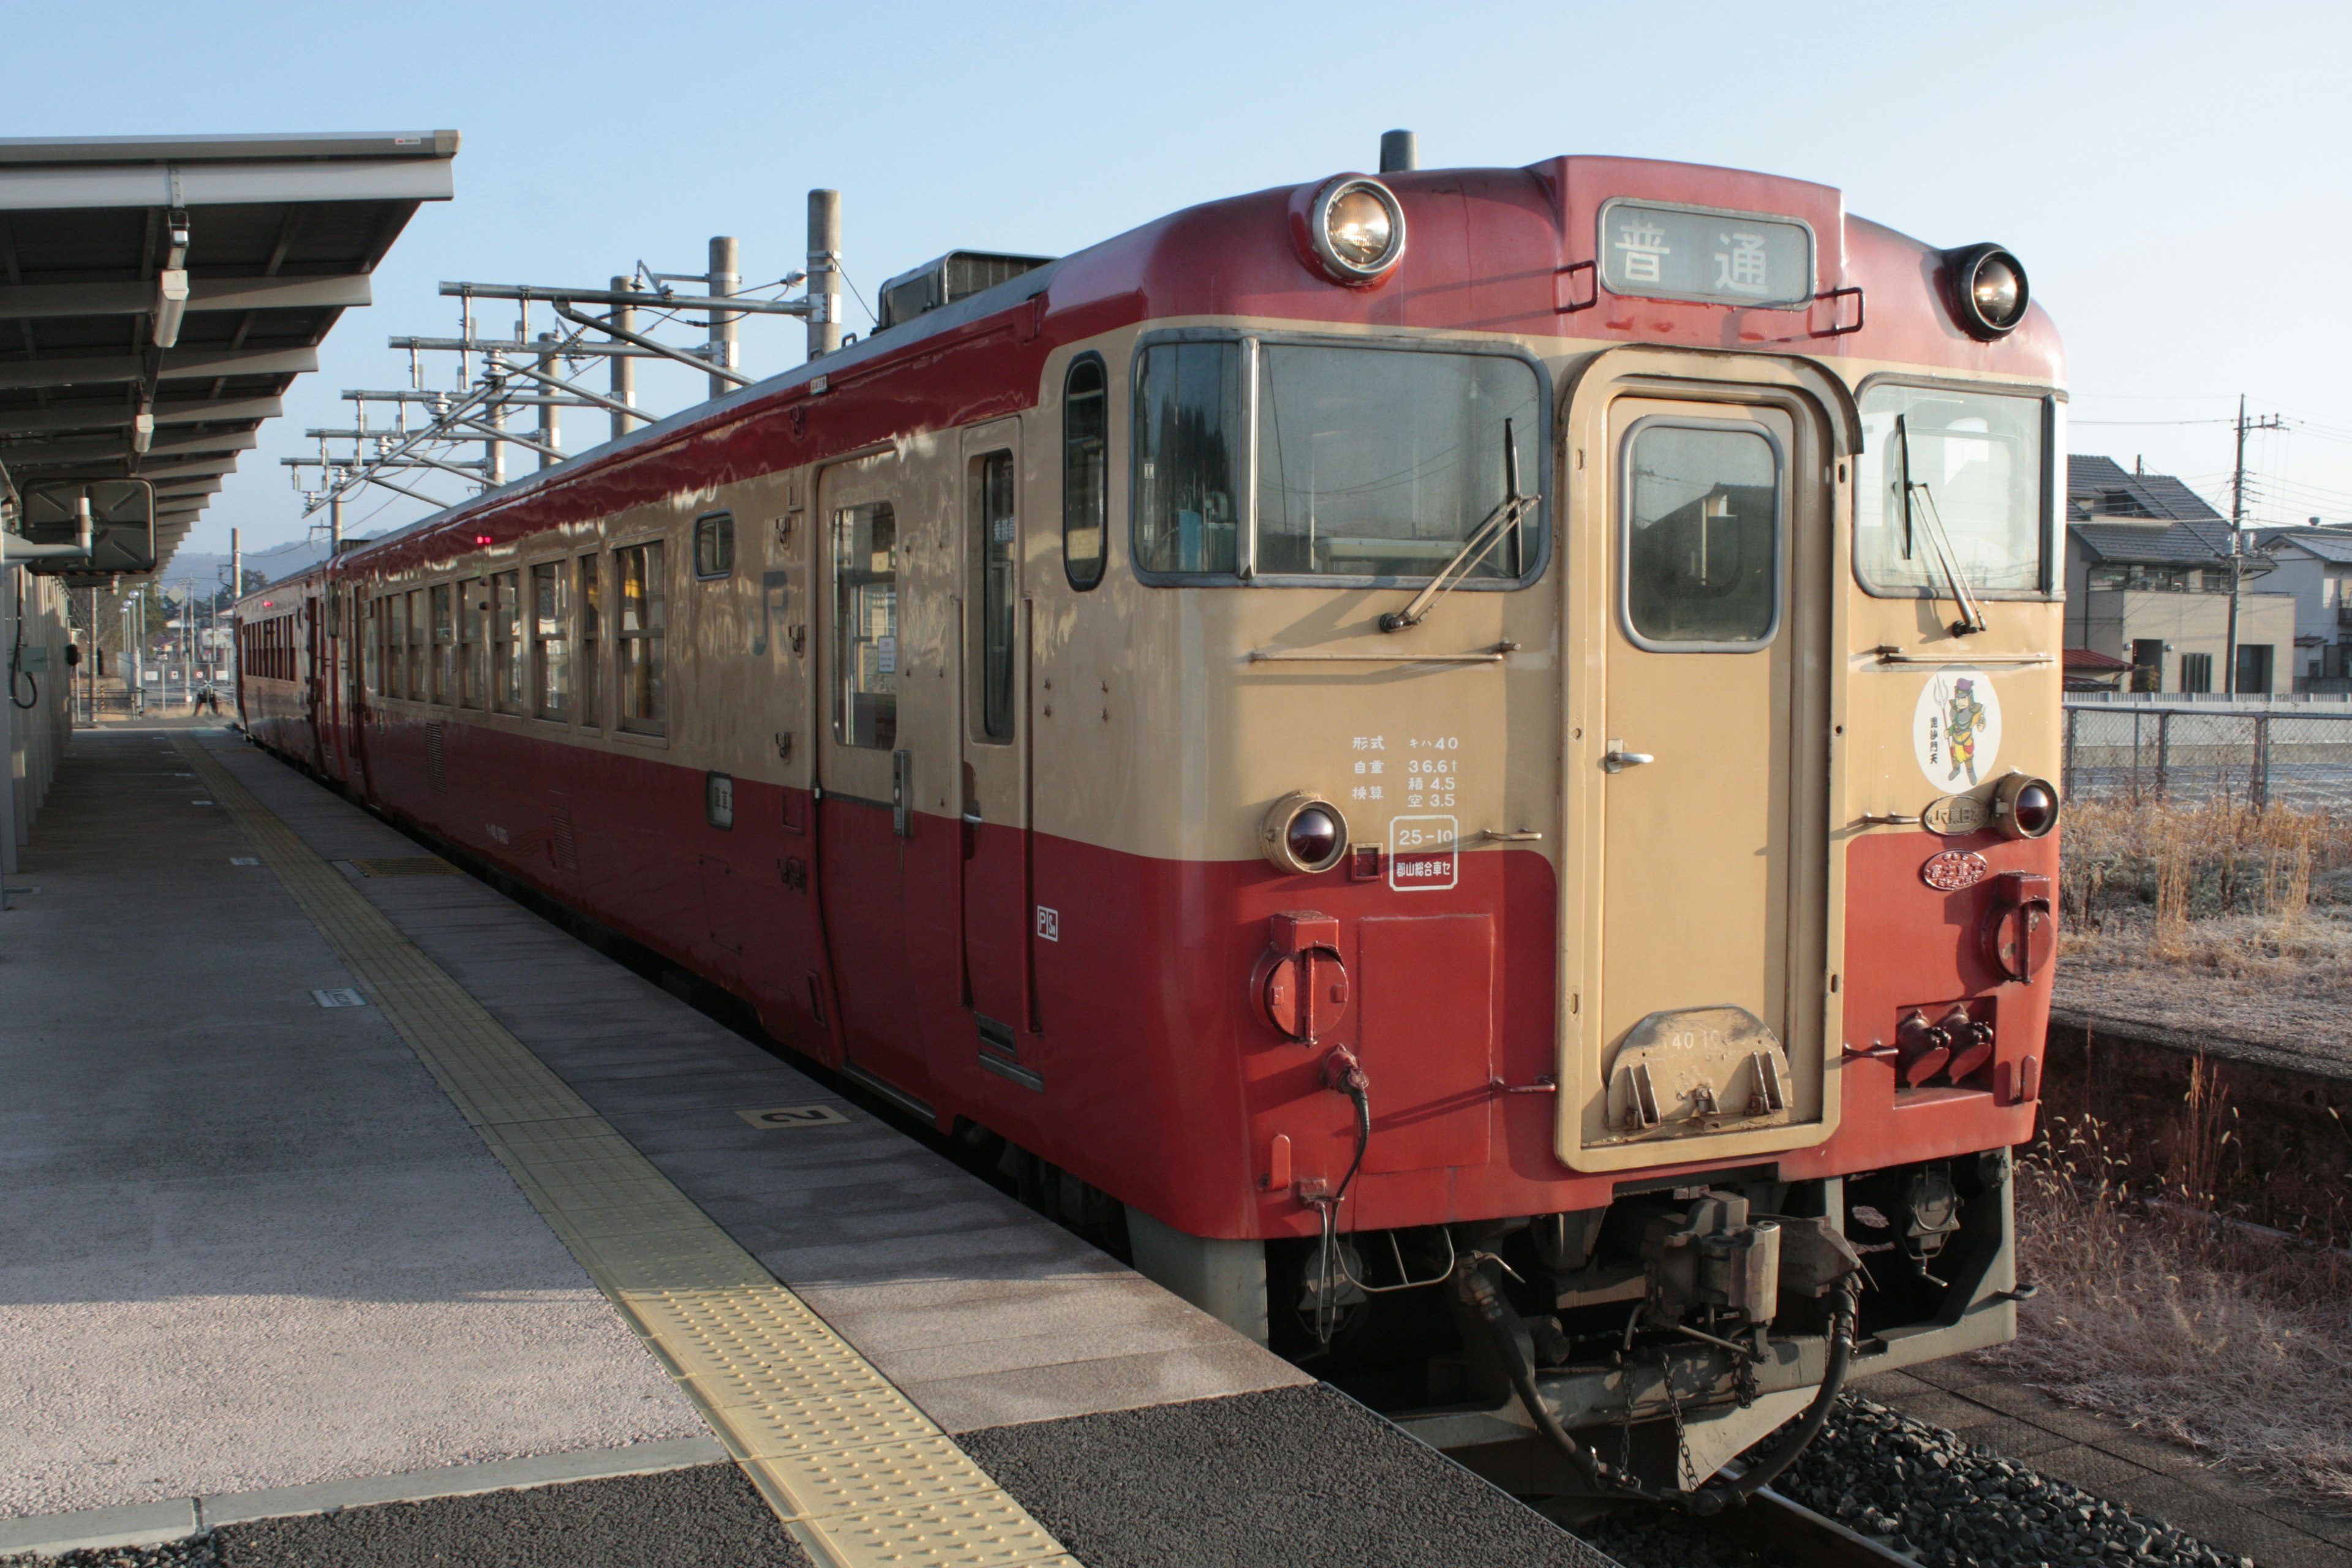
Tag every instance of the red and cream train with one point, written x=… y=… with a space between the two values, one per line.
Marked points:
x=1461 y=750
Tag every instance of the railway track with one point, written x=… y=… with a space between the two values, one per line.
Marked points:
x=1805 y=1536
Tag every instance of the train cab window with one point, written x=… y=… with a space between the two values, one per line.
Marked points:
x=866 y=615
x=505 y=641
x=473 y=600
x=714 y=545
x=1380 y=463
x=1086 y=471
x=592 y=638
x=1703 y=524
x=1290 y=463
x=640 y=673
x=1188 y=458
x=445 y=646
x=1976 y=466
x=550 y=649
x=996 y=591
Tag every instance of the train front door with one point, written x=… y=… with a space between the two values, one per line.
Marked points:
x=867 y=767
x=996 y=911
x=1708 y=749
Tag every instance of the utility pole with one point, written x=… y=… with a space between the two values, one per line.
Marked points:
x=625 y=370
x=2237 y=539
x=550 y=413
x=823 y=273
x=725 y=277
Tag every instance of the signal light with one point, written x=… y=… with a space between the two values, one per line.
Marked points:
x=481 y=541
x=1303 y=833
x=2024 y=807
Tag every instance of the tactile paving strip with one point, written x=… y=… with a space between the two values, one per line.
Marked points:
x=860 y=1475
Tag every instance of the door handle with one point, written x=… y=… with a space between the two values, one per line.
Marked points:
x=1619 y=759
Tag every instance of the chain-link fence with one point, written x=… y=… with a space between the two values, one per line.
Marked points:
x=2191 y=754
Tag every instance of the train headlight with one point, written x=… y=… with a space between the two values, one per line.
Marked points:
x=1303 y=832
x=1354 y=229
x=1988 y=290
x=2024 y=807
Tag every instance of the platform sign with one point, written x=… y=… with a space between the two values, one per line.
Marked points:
x=1422 y=854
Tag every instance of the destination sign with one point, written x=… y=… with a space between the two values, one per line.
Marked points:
x=1662 y=252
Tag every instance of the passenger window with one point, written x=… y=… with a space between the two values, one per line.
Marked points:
x=1702 y=536
x=591 y=634
x=505 y=641
x=996 y=563
x=371 y=652
x=1085 y=476
x=866 y=606
x=444 y=647
x=550 y=649
x=1188 y=429
x=417 y=645
x=714 y=545
x=642 y=676
x=473 y=603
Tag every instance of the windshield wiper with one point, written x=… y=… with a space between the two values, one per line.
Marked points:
x=1504 y=518
x=1947 y=559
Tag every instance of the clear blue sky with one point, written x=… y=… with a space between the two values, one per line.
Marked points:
x=2174 y=176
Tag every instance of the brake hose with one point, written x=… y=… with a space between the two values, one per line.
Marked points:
x=1480 y=1293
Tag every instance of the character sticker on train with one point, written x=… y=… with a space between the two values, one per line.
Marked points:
x=1422 y=854
x=1956 y=728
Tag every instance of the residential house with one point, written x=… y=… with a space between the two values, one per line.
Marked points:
x=2148 y=581
x=2314 y=564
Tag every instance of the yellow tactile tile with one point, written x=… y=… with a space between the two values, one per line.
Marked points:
x=860 y=1476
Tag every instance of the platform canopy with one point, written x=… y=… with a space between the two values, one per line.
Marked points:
x=158 y=295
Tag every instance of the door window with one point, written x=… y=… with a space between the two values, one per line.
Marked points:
x=444 y=647
x=1086 y=471
x=505 y=641
x=591 y=636
x=1703 y=536
x=551 y=648
x=995 y=555
x=417 y=645
x=865 y=621
x=643 y=676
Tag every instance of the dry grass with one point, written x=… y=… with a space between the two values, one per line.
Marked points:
x=2232 y=1341
x=2217 y=885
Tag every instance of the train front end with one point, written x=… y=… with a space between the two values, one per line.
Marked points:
x=1592 y=645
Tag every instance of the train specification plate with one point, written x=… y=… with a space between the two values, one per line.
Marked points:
x=1954 y=870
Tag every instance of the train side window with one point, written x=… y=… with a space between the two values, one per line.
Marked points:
x=505 y=641
x=370 y=653
x=472 y=601
x=1700 y=566
x=1086 y=471
x=397 y=648
x=866 y=615
x=1188 y=427
x=418 y=643
x=445 y=646
x=714 y=545
x=550 y=649
x=591 y=636
x=996 y=565
x=641 y=674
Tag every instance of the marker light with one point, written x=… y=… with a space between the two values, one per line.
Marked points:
x=1303 y=833
x=1354 y=229
x=1989 y=290
x=2024 y=808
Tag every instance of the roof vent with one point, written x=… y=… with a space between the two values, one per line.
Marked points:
x=958 y=275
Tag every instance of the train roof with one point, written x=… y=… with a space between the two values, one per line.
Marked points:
x=1492 y=251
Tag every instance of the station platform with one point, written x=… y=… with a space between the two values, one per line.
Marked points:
x=350 y=1212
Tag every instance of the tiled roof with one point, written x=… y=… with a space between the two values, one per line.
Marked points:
x=2329 y=545
x=2092 y=661
x=2102 y=487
